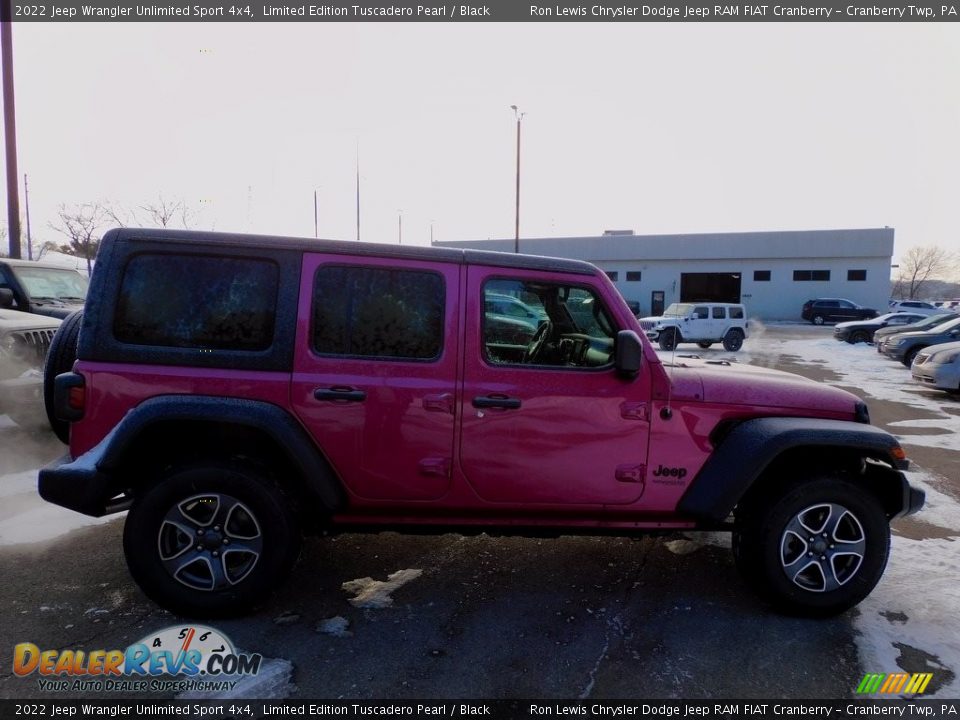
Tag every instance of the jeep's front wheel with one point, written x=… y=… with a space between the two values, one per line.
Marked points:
x=669 y=339
x=210 y=540
x=733 y=340
x=815 y=548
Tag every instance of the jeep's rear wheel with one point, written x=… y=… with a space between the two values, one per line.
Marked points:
x=814 y=548
x=704 y=344
x=669 y=339
x=210 y=540
x=733 y=340
x=60 y=359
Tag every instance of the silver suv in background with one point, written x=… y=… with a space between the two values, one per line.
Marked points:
x=703 y=323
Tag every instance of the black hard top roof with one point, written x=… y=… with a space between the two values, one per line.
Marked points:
x=354 y=248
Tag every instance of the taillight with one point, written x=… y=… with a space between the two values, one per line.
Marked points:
x=77 y=398
x=69 y=396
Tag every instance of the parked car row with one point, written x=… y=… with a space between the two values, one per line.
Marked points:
x=929 y=346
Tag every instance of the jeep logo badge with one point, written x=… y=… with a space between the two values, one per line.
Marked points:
x=663 y=471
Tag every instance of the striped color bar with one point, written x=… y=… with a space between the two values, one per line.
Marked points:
x=894 y=683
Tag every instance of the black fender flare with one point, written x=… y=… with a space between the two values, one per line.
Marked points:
x=743 y=454
x=82 y=483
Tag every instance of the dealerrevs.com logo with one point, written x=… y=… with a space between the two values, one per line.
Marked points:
x=200 y=657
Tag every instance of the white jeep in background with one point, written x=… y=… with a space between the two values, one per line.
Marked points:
x=703 y=323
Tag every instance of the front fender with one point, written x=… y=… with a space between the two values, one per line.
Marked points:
x=744 y=453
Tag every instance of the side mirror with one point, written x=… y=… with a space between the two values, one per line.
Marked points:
x=628 y=354
x=6 y=298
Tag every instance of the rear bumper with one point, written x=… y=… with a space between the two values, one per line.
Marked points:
x=77 y=484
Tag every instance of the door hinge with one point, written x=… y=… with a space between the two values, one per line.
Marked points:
x=633 y=410
x=630 y=473
x=442 y=402
x=435 y=466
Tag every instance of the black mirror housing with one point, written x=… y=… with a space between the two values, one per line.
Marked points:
x=6 y=298
x=628 y=354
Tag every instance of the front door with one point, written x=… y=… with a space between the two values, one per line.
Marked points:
x=375 y=371
x=546 y=419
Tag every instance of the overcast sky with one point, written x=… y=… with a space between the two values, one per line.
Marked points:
x=658 y=128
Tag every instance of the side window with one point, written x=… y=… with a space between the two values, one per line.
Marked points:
x=216 y=303
x=700 y=312
x=719 y=313
x=567 y=326
x=845 y=305
x=378 y=312
x=736 y=313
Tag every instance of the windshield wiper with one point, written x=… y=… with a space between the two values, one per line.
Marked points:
x=43 y=297
x=71 y=297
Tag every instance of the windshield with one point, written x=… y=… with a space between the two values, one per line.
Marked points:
x=678 y=310
x=42 y=282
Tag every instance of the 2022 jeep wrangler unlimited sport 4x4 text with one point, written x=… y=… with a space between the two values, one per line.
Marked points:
x=235 y=391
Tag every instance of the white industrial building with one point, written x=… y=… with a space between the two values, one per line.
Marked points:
x=772 y=273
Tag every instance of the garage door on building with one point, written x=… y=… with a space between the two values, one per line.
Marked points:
x=710 y=287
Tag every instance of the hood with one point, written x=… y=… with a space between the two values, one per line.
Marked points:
x=16 y=320
x=736 y=384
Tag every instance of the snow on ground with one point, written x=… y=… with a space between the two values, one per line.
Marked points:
x=372 y=593
x=918 y=599
x=26 y=518
x=272 y=682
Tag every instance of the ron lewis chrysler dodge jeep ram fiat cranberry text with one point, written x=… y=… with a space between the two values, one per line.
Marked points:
x=234 y=392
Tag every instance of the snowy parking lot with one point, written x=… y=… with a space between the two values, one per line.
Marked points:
x=449 y=616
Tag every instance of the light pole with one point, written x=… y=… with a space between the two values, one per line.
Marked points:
x=399 y=227
x=316 y=226
x=516 y=235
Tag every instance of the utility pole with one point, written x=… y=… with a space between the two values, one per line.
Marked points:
x=316 y=230
x=26 y=202
x=10 y=133
x=516 y=235
x=399 y=227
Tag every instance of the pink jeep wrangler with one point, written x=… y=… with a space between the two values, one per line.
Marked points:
x=234 y=392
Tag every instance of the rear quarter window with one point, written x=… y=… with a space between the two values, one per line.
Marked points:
x=194 y=301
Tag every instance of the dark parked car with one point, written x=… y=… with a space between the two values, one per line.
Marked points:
x=927 y=323
x=825 y=310
x=857 y=331
x=905 y=346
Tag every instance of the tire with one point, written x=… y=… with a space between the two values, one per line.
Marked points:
x=733 y=340
x=910 y=356
x=263 y=538
x=817 y=320
x=704 y=345
x=669 y=339
x=860 y=336
x=772 y=548
x=60 y=359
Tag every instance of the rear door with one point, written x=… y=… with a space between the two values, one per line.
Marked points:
x=375 y=371
x=549 y=422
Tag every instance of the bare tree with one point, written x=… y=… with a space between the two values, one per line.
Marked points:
x=159 y=213
x=81 y=224
x=920 y=264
